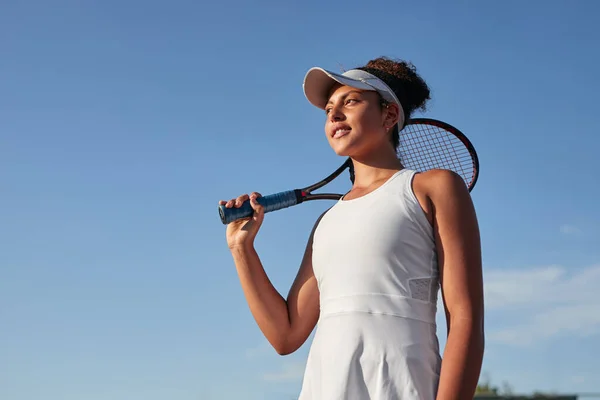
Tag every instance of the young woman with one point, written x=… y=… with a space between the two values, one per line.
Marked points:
x=375 y=260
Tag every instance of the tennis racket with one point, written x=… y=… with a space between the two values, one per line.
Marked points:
x=425 y=144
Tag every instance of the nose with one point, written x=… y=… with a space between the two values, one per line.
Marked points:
x=336 y=114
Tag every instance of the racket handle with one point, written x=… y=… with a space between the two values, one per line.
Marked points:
x=270 y=203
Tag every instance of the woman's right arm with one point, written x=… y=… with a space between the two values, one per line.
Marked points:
x=286 y=323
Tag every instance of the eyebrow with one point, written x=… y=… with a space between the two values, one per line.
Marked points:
x=346 y=95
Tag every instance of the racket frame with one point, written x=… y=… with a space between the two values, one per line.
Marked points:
x=459 y=135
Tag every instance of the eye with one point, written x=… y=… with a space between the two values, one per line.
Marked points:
x=350 y=101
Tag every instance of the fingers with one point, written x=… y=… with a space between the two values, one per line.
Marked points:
x=238 y=201
x=255 y=195
x=258 y=209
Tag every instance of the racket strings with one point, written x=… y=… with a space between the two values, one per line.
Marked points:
x=424 y=147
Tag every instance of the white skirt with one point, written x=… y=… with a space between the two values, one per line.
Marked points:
x=364 y=356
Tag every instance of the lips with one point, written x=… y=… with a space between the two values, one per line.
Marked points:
x=339 y=130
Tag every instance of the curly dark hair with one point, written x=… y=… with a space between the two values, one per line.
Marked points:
x=403 y=79
x=410 y=89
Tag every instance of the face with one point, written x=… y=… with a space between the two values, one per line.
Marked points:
x=357 y=125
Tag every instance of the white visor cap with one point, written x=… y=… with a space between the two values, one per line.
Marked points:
x=318 y=83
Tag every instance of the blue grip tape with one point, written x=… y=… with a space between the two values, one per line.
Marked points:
x=270 y=203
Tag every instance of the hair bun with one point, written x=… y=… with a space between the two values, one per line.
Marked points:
x=402 y=77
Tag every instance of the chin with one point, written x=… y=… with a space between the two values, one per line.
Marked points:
x=347 y=150
x=340 y=148
x=341 y=151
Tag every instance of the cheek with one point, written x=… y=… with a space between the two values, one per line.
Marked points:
x=369 y=122
x=325 y=130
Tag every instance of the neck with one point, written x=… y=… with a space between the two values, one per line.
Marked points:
x=373 y=168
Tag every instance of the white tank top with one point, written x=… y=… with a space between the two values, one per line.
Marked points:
x=375 y=263
x=376 y=254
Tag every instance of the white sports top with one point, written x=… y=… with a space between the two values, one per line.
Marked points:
x=375 y=262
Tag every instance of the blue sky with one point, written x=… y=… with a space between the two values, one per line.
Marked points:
x=123 y=123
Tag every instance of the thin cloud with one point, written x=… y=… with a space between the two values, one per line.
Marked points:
x=545 y=286
x=260 y=350
x=570 y=230
x=290 y=372
x=578 y=379
x=543 y=303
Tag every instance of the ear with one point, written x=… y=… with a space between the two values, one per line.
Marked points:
x=391 y=115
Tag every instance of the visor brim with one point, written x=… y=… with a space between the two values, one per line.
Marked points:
x=318 y=83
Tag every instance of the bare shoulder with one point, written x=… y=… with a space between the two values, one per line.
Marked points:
x=438 y=187
x=442 y=183
x=456 y=226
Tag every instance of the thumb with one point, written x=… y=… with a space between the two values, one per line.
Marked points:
x=258 y=208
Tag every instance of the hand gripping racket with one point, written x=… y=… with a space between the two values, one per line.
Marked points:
x=425 y=144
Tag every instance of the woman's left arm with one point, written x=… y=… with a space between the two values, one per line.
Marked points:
x=459 y=254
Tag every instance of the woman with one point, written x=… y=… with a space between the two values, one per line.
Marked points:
x=375 y=260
